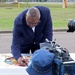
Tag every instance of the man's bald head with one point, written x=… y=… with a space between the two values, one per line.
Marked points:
x=33 y=12
x=32 y=16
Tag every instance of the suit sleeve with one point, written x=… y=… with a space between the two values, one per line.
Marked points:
x=16 y=42
x=48 y=30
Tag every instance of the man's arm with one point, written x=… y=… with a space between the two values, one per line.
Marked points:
x=16 y=42
x=48 y=29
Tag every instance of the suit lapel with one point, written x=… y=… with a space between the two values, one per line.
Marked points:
x=30 y=32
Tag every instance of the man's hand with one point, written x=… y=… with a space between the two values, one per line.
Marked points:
x=22 y=61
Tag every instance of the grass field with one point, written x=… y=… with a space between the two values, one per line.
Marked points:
x=60 y=16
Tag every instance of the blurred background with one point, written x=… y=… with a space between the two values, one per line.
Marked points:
x=61 y=12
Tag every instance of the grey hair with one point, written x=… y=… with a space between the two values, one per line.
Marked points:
x=33 y=12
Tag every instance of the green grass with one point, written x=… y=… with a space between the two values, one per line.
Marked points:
x=60 y=16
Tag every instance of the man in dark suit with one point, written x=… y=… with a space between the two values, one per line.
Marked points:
x=31 y=27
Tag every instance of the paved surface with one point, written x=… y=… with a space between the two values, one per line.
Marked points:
x=64 y=39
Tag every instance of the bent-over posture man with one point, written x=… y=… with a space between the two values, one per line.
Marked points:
x=31 y=27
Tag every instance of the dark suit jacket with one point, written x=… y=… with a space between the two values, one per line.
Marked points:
x=24 y=37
